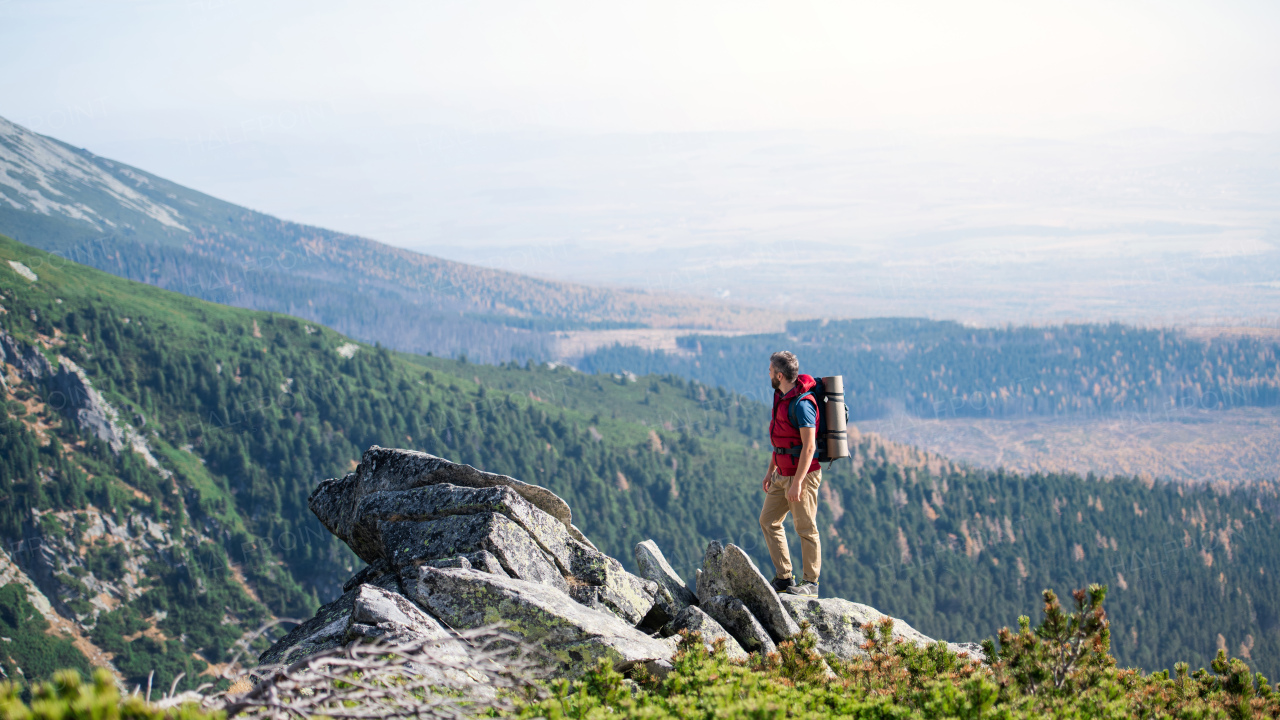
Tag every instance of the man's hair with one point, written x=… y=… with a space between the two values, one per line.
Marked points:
x=786 y=362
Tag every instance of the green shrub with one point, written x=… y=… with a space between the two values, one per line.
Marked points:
x=1061 y=668
x=67 y=696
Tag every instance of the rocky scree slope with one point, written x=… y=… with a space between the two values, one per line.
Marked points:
x=450 y=547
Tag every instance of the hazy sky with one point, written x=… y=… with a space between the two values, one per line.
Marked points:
x=1086 y=159
x=89 y=71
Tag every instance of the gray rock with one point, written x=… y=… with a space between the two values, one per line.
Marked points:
x=673 y=595
x=30 y=362
x=694 y=619
x=598 y=580
x=972 y=649
x=733 y=615
x=603 y=583
x=73 y=394
x=571 y=636
x=379 y=614
x=837 y=626
x=485 y=561
x=729 y=571
x=407 y=542
x=458 y=561
x=436 y=501
x=336 y=502
x=324 y=631
x=482 y=560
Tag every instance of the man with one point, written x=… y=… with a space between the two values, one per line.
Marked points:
x=788 y=488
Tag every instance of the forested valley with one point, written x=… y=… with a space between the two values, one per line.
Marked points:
x=942 y=369
x=159 y=560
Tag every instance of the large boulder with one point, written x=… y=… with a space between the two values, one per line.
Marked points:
x=727 y=570
x=409 y=542
x=733 y=615
x=407 y=509
x=673 y=595
x=837 y=626
x=571 y=636
x=336 y=502
x=694 y=619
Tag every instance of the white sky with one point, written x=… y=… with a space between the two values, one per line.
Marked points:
x=588 y=140
x=91 y=71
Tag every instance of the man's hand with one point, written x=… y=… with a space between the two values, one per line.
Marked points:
x=797 y=484
x=766 y=480
x=808 y=445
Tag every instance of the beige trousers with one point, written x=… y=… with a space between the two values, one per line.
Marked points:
x=804 y=515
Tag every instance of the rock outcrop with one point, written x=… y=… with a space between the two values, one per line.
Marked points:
x=337 y=502
x=70 y=392
x=837 y=626
x=452 y=548
x=575 y=635
x=734 y=616
x=673 y=595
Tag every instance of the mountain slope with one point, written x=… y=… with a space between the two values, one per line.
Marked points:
x=159 y=451
x=128 y=222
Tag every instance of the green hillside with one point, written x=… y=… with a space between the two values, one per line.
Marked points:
x=249 y=410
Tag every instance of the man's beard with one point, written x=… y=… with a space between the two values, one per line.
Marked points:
x=776 y=383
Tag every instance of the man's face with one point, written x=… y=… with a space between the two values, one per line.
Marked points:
x=775 y=378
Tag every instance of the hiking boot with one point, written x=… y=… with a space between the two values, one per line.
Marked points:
x=783 y=584
x=806 y=588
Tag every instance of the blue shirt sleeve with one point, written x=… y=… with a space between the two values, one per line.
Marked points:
x=806 y=414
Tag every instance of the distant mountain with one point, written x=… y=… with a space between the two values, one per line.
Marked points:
x=133 y=224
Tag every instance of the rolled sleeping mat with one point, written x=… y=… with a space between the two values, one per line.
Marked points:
x=835 y=416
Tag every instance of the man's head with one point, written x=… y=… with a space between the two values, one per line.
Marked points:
x=784 y=367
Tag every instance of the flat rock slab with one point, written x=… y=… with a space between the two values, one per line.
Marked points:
x=336 y=502
x=728 y=570
x=694 y=619
x=409 y=542
x=571 y=636
x=837 y=626
x=673 y=595
x=732 y=615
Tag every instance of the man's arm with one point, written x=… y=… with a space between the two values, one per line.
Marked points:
x=808 y=445
x=769 y=473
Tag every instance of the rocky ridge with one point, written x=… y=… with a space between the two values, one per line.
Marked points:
x=453 y=548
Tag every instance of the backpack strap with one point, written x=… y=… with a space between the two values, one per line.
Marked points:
x=794 y=450
x=791 y=408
